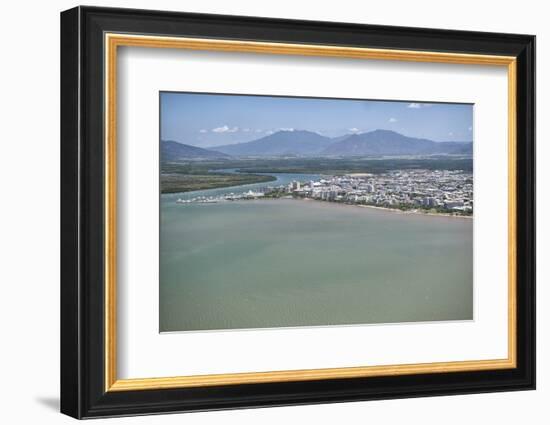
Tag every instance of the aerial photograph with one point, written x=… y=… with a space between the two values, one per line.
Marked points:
x=284 y=212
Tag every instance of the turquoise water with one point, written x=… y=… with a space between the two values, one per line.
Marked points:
x=285 y=263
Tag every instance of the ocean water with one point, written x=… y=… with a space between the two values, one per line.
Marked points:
x=287 y=263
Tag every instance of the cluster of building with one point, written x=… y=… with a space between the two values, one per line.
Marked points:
x=444 y=190
x=439 y=190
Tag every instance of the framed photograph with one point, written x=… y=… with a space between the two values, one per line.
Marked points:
x=261 y=212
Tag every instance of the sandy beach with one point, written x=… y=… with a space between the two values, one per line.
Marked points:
x=395 y=210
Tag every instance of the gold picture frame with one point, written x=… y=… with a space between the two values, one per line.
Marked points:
x=114 y=41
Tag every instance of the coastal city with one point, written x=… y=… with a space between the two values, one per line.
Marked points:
x=436 y=191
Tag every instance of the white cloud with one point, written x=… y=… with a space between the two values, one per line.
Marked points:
x=269 y=132
x=450 y=133
x=353 y=129
x=225 y=129
x=414 y=105
x=203 y=130
x=392 y=119
x=259 y=130
x=246 y=130
x=286 y=129
x=220 y=129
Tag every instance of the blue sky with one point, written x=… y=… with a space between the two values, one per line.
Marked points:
x=212 y=119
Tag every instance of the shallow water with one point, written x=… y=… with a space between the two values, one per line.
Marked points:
x=282 y=263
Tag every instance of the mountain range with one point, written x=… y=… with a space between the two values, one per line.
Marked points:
x=307 y=143
x=386 y=142
x=284 y=142
x=175 y=151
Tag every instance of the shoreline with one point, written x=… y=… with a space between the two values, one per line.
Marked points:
x=186 y=189
x=394 y=210
x=274 y=178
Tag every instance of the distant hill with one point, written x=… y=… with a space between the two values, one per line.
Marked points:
x=308 y=143
x=340 y=138
x=386 y=142
x=175 y=151
x=298 y=142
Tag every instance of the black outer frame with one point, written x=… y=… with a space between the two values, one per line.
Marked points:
x=82 y=219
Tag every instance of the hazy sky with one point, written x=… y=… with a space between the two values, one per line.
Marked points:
x=212 y=119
